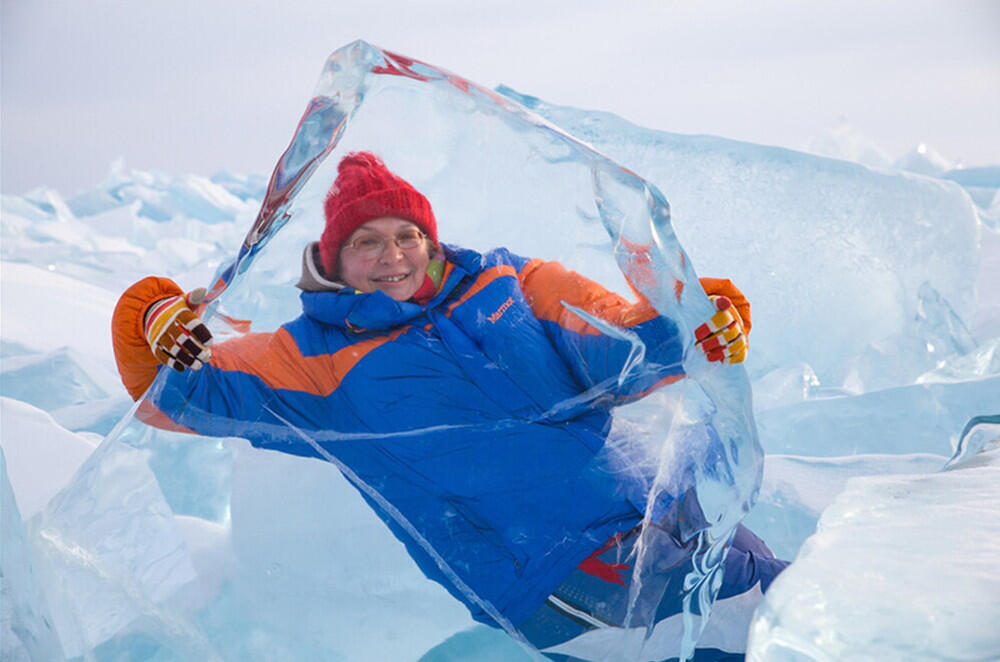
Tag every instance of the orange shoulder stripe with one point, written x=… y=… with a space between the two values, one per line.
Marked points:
x=484 y=279
x=547 y=284
x=277 y=361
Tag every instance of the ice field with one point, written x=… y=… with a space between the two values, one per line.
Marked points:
x=876 y=340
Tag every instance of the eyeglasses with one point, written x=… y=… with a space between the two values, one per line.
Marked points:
x=373 y=244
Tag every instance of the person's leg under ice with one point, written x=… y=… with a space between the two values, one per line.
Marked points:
x=582 y=619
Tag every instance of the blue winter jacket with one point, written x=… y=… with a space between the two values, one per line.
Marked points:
x=479 y=416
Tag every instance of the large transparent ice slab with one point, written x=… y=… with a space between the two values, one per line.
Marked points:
x=833 y=254
x=536 y=191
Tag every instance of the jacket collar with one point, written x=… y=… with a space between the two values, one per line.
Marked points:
x=332 y=303
x=313 y=279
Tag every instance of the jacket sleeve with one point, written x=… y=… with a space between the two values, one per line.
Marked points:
x=229 y=396
x=598 y=358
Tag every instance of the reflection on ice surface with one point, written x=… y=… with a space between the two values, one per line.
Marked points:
x=869 y=353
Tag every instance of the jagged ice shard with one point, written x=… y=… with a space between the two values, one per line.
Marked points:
x=498 y=175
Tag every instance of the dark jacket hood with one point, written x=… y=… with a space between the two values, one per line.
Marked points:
x=330 y=302
x=313 y=279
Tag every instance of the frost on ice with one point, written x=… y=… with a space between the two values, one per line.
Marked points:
x=869 y=353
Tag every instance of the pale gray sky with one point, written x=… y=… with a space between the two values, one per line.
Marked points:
x=201 y=85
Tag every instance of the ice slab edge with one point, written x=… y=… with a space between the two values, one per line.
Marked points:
x=862 y=587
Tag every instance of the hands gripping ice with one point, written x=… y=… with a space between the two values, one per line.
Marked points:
x=179 y=339
x=722 y=337
x=176 y=335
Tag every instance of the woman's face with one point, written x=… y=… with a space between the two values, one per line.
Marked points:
x=371 y=258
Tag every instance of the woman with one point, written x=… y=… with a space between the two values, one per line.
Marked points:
x=460 y=389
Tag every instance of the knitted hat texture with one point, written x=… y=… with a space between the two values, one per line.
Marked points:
x=364 y=190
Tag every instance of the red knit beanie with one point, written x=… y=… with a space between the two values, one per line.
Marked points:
x=366 y=189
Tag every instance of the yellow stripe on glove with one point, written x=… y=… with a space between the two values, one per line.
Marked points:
x=722 y=337
x=177 y=337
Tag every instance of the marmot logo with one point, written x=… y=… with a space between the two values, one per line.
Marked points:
x=501 y=310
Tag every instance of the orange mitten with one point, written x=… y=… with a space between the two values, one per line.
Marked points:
x=178 y=337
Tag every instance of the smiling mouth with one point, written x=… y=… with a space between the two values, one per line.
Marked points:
x=391 y=279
